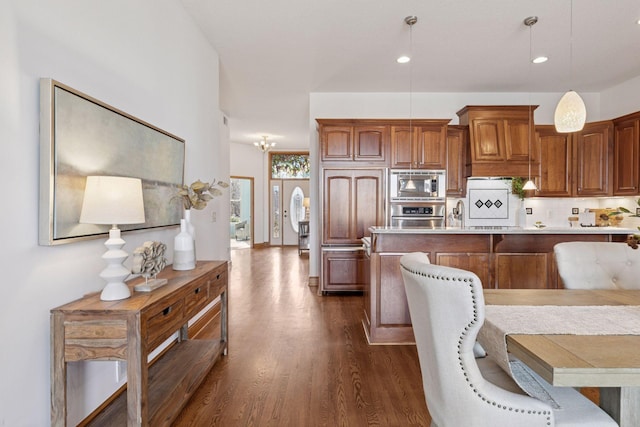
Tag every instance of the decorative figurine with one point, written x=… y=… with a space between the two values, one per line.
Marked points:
x=148 y=261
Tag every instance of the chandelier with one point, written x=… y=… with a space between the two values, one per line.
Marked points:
x=263 y=145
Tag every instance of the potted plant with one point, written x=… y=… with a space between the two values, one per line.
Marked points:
x=517 y=187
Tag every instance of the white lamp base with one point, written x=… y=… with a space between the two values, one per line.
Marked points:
x=115 y=272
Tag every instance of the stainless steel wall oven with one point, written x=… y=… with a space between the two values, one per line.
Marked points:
x=417 y=215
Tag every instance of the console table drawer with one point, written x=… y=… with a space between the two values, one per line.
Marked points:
x=163 y=322
x=218 y=282
x=197 y=296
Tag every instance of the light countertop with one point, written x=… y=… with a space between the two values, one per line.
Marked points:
x=504 y=230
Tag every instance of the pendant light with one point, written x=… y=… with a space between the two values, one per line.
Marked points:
x=571 y=112
x=530 y=22
x=410 y=21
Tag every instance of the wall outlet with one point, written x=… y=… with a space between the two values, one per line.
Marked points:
x=214 y=217
x=575 y=211
x=529 y=211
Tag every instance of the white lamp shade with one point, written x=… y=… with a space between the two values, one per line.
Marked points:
x=570 y=113
x=529 y=185
x=112 y=200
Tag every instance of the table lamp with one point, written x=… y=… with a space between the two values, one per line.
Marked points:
x=113 y=200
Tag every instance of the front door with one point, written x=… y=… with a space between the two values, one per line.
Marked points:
x=287 y=209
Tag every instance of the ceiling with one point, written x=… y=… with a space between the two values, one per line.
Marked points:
x=274 y=53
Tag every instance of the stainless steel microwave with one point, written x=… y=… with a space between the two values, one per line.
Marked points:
x=417 y=185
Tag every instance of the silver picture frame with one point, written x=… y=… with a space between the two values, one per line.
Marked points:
x=82 y=136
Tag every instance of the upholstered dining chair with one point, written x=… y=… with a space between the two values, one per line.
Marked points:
x=598 y=265
x=447 y=311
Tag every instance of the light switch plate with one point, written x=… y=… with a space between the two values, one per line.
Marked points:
x=529 y=211
x=575 y=211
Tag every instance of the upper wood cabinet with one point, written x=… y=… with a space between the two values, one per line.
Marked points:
x=501 y=139
x=575 y=164
x=556 y=162
x=423 y=145
x=593 y=159
x=626 y=146
x=457 y=158
x=341 y=141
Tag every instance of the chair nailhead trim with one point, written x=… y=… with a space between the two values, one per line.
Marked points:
x=469 y=282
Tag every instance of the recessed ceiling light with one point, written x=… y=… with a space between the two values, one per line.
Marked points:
x=403 y=59
x=540 y=59
x=638 y=22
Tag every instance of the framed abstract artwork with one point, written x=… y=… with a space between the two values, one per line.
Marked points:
x=81 y=136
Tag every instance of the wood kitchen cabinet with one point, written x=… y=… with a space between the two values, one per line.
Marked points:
x=575 y=164
x=555 y=170
x=500 y=260
x=352 y=202
x=501 y=139
x=457 y=158
x=523 y=271
x=344 y=141
x=626 y=157
x=344 y=269
x=592 y=150
x=474 y=262
x=421 y=146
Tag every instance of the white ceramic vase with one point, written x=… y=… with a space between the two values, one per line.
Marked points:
x=184 y=257
x=191 y=229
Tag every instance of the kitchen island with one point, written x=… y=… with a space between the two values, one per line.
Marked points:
x=503 y=258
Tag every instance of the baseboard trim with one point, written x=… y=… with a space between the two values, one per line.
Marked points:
x=314 y=281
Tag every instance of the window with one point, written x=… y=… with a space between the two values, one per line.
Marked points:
x=290 y=166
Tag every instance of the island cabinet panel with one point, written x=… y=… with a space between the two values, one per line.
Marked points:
x=522 y=271
x=626 y=157
x=457 y=157
x=501 y=260
x=476 y=263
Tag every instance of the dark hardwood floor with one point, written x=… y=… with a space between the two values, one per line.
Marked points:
x=299 y=359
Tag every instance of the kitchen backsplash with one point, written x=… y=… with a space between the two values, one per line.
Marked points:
x=554 y=212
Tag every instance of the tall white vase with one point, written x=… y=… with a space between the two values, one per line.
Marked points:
x=191 y=229
x=184 y=257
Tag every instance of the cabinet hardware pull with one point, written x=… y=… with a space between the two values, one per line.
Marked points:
x=167 y=310
x=197 y=291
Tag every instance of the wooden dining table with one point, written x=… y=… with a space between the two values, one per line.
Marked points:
x=608 y=361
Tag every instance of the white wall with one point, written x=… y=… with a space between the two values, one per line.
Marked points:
x=621 y=99
x=246 y=161
x=144 y=57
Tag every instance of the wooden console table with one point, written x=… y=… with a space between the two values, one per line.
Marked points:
x=129 y=329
